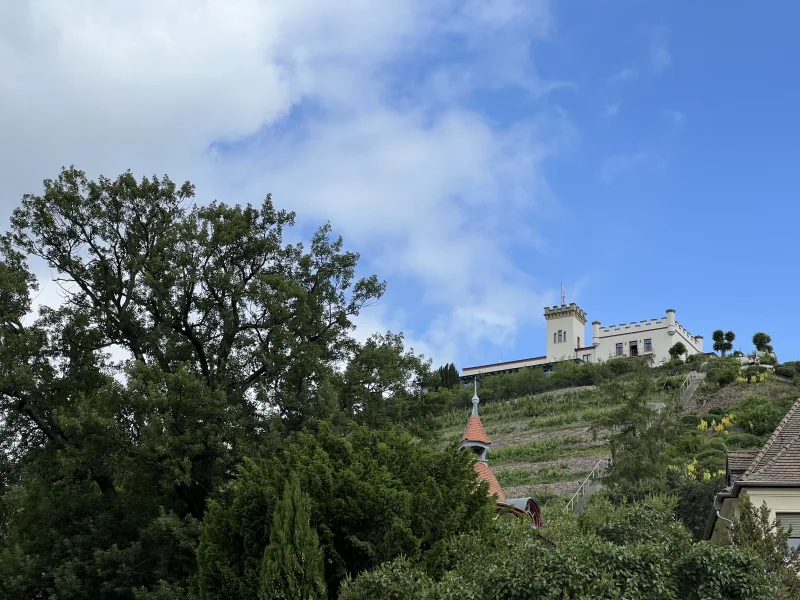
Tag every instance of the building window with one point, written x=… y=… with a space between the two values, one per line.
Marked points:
x=648 y=345
x=587 y=358
x=559 y=337
x=619 y=349
x=791 y=520
x=554 y=337
x=579 y=343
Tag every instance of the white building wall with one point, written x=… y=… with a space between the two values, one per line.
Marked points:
x=663 y=333
x=570 y=321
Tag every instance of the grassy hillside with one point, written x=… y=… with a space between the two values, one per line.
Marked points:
x=545 y=444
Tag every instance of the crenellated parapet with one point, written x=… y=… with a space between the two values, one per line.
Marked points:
x=565 y=310
x=633 y=326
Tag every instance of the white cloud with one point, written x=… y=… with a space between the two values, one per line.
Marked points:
x=623 y=75
x=618 y=165
x=427 y=191
x=660 y=56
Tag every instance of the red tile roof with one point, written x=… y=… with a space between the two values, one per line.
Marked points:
x=779 y=459
x=485 y=474
x=474 y=431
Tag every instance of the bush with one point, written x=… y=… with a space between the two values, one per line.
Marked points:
x=744 y=441
x=711 y=459
x=691 y=421
x=767 y=359
x=757 y=415
x=784 y=371
x=688 y=444
x=723 y=371
x=717 y=411
x=755 y=370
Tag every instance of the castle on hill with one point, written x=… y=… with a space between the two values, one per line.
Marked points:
x=566 y=325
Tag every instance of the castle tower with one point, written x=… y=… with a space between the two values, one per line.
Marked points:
x=475 y=440
x=565 y=331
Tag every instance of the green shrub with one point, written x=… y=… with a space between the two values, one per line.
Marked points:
x=757 y=415
x=744 y=441
x=767 y=359
x=723 y=371
x=716 y=443
x=717 y=411
x=784 y=371
x=512 y=477
x=755 y=371
x=691 y=420
x=711 y=459
x=688 y=444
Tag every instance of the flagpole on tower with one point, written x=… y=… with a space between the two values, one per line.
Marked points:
x=563 y=295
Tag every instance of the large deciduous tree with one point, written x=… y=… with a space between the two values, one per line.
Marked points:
x=188 y=338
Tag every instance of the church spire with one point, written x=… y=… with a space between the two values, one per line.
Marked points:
x=475 y=399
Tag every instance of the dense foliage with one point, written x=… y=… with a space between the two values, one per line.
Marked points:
x=197 y=420
x=632 y=551
x=293 y=566
x=189 y=340
x=448 y=376
x=677 y=350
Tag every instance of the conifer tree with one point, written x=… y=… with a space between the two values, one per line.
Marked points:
x=293 y=566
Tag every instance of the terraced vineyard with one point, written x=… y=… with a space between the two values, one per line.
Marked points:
x=542 y=445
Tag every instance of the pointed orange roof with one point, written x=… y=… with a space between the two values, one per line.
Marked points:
x=474 y=431
x=485 y=474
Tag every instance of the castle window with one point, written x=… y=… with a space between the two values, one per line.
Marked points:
x=554 y=337
x=579 y=343
x=559 y=336
x=648 y=345
x=619 y=349
x=587 y=358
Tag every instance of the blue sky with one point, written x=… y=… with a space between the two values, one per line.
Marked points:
x=475 y=153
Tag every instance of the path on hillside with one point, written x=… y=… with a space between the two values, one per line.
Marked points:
x=695 y=379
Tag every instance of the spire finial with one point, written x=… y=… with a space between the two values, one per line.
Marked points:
x=563 y=295
x=475 y=399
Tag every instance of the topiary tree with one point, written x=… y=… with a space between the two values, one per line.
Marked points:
x=723 y=341
x=293 y=566
x=762 y=342
x=677 y=350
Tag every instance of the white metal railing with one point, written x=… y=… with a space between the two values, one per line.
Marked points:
x=599 y=469
x=689 y=378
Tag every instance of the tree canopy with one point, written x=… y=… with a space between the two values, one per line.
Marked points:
x=762 y=342
x=189 y=339
x=723 y=341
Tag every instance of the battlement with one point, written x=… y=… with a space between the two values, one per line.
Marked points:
x=640 y=325
x=645 y=325
x=685 y=331
x=565 y=310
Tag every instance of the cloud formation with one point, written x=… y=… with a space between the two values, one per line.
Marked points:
x=343 y=111
x=623 y=75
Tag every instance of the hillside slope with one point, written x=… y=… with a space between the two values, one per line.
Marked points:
x=544 y=445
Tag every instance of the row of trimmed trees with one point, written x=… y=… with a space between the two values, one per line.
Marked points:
x=723 y=341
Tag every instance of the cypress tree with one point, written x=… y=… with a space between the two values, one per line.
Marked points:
x=453 y=375
x=293 y=565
